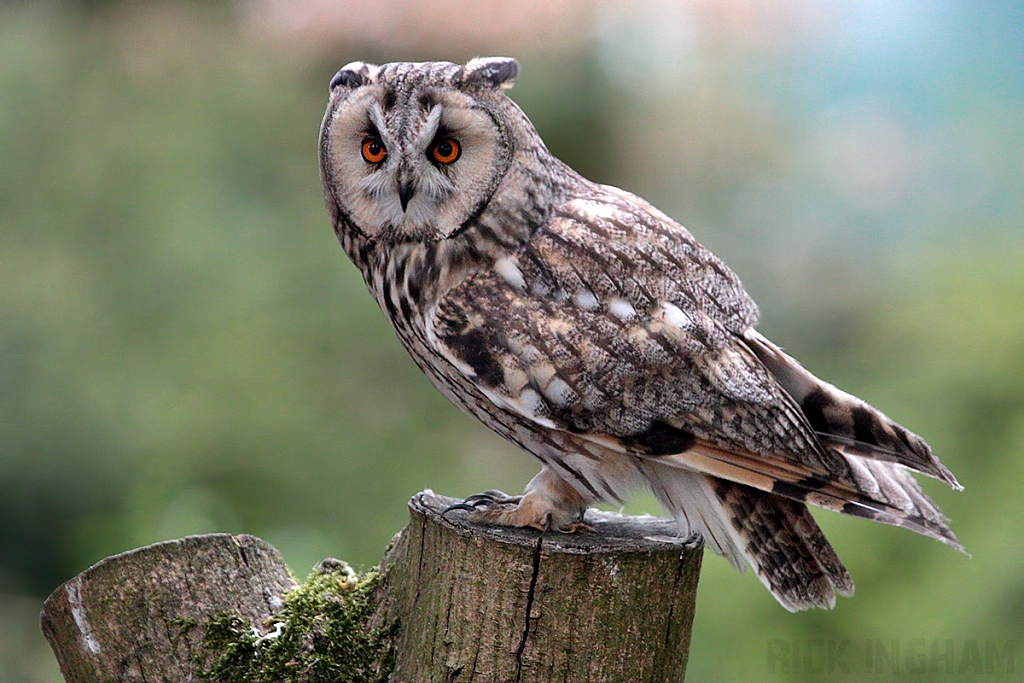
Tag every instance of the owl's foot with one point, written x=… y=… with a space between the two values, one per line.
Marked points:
x=530 y=510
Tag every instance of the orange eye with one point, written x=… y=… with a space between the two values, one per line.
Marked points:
x=447 y=151
x=374 y=151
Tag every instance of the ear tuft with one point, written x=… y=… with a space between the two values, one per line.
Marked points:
x=491 y=72
x=352 y=75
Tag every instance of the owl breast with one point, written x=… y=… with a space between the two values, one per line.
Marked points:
x=408 y=280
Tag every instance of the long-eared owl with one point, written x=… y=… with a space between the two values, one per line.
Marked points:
x=589 y=328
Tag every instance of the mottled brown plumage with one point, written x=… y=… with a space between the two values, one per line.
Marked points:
x=583 y=324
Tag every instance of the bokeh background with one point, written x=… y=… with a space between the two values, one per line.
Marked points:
x=184 y=348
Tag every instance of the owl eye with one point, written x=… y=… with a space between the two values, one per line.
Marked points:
x=374 y=151
x=446 y=151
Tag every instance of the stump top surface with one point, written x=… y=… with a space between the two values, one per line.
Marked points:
x=169 y=549
x=613 y=532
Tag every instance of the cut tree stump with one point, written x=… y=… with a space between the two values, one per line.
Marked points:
x=484 y=603
x=125 y=618
x=469 y=603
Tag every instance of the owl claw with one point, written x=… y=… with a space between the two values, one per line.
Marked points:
x=693 y=541
x=457 y=506
x=486 y=500
x=573 y=528
x=530 y=510
x=491 y=497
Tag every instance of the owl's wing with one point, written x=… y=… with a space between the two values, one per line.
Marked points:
x=613 y=324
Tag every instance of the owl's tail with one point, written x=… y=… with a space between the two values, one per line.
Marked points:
x=776 y=536
x=751 y=508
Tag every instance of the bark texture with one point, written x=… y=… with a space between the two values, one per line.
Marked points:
x=137 y=616
x=478 y=603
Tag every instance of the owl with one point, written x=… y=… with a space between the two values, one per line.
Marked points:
x=583 y=324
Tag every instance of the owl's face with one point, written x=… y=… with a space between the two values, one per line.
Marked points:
x=413 y=151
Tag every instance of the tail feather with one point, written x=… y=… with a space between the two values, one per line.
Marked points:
x=914 y=510
x=787 y=550
x=877 y=490
x=776 y=536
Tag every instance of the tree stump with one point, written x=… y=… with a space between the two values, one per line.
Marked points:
x=480 y=603
x=126 y=618
x=467 y=603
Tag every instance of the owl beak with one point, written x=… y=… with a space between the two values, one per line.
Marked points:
x=405 y=193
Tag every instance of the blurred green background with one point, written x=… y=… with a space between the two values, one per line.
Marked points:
x=184 y=348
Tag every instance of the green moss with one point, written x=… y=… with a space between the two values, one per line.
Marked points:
x=321 y=634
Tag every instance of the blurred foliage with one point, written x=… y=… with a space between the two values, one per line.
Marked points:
x=184 y=348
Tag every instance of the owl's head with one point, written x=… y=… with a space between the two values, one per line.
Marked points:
x=414 y=150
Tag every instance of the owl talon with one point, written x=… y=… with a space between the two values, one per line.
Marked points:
x=458 y=506
x=491 y=497
x=492 y=493
x=530 y=510
x=693 y=541
x=486 y=500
